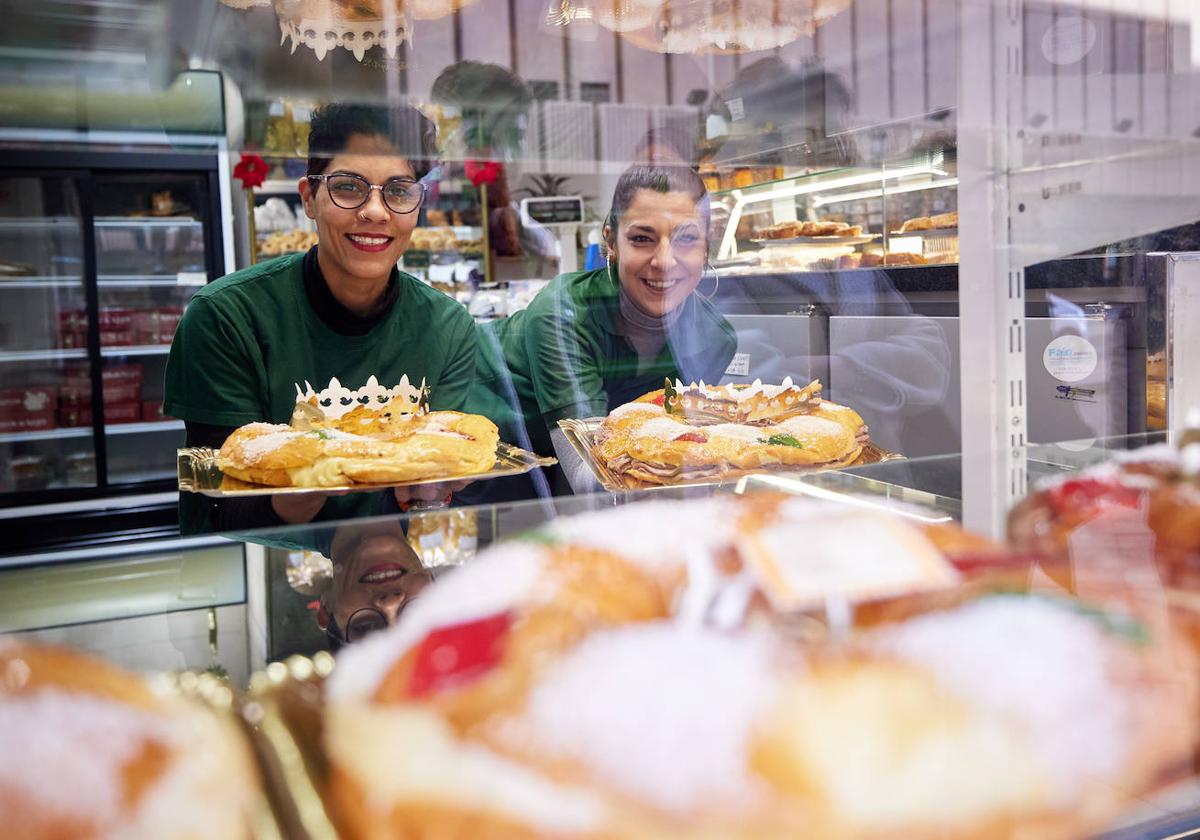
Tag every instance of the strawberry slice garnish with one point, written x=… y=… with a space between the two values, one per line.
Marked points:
x=1092 y=496
x=458 y=654
x=693 y=437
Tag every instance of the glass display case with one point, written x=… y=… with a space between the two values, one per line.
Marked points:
x=101 y=259
x=975 y=223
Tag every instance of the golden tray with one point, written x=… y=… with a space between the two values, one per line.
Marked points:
x=582 y=435
x=199 y=473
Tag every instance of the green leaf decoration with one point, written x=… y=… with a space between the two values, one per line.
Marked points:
x=781 y=440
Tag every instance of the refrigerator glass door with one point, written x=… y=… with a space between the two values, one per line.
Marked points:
x=152 y=235
x=43 y=337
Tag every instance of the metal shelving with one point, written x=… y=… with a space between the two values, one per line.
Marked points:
x=44 y=355
x=86 y=431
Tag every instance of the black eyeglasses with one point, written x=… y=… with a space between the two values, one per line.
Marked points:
x=363 y=623
x=400 y=195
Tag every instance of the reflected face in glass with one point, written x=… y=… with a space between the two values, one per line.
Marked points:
x=375 y=571
x=661 y=245
x=362 y=243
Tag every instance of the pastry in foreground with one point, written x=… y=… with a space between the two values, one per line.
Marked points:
x=90 y=751
x=638 y=673
x=1140 y=509
x=708 y=432
x=384 y=448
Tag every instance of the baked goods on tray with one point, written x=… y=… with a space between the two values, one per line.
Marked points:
x=873 y=260
x=942 y=221
x=88 y=751
x=385 y=447
x=1140 y=511
x=372 y=435
x=793 y=230
x=701 y=431
x=624 y=675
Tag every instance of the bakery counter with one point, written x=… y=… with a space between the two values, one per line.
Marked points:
x=554 y=650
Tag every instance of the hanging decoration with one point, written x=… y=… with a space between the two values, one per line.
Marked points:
x=702 y=26
x=354 y=25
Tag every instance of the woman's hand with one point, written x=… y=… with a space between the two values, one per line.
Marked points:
x=428 y=492
x=298 y=508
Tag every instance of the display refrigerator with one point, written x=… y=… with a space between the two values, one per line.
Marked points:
x=100 y=251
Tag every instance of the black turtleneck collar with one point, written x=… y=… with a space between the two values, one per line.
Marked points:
x=335 y=316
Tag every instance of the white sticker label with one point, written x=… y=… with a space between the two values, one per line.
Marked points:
x=191 y=278
x=740 y=366
x=1069 y=40
x=1070 y=358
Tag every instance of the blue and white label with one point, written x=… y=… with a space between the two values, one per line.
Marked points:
x=1070 y=358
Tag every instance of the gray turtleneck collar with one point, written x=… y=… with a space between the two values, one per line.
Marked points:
x=647 y=334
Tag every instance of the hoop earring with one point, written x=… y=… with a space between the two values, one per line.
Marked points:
x=716 y=283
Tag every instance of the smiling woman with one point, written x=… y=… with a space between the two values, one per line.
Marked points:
x=342 y=310
x=593 y=340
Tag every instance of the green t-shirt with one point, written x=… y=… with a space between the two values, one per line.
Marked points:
x=565 y=356
x=247 y=340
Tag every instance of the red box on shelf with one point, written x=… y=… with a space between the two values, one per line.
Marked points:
x=117 y=338
x=72 y=339
x=152 y=412
x=128 y=372
x=115 y=319
x=81 y=415
x=72 y=320
x=79 y=392
x=27 y=409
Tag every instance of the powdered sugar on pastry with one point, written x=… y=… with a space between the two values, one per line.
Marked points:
x=808 y=426
x=659 y=712
x=66 y=752
x=662 y=428
x=654 y=534
x=634 y=408
x=255 y=448
x=737 y=431
x=1035 y=663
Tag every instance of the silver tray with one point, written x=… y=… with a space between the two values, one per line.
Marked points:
x=582 y=436
x=199 y=473
x=927 y=234
x=829 y=241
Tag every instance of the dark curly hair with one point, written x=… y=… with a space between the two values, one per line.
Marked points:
x=410 y=132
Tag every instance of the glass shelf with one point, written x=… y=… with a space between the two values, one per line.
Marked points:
x=43 y=355
x=42 y=283
x=185 y=278
x=144 y=428
x=136 y=350
x=85 y=431
x=148 y=221
x=36 y=222
x=48 y=434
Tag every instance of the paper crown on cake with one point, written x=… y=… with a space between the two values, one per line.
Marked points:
x=336 y=400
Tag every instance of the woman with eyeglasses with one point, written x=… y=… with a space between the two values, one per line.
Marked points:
x=341 y=310
x=376 y=574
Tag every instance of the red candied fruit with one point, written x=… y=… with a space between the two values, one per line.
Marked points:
x=660 y=399
x=457 y=654
x=1092 y=496
x=694 y=437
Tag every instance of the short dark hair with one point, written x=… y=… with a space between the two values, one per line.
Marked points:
x=408 y=130
x=661 y=179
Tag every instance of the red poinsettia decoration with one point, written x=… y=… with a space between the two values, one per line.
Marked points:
x=251 y=170
x=483 y=171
